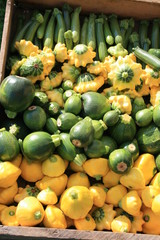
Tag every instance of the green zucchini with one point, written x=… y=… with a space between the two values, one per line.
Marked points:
x=40 y=99
x=83 y=38
x=73 y=104
x=96 y=149
x=144 y=117
x=48 y=39
x=143 y=31
x=99 y=128
x=67 y=85
x=156 y=115
x=124 y=24
x=131 y=23
x=155 y=33
x=110 y=143
x=107 y=32
x=158 y=162
x=146 y=44
x=91 y=32
x=42 y=27
x=155 y=52
x=111 y=117
x=66 y=121
x=37 y=42
x=61 y=25
x=132 y=147
x=66 y=9
x=53 y=109
x=51 y=126
x=67 y=94
x=68 y=39
x=134 y=39
x=115 y=28
x=137 y=104
x=75 y=25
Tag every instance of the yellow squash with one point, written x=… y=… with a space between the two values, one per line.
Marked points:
x=26 y=192
x=115 y=194
x=47 y=196
x=151 y=222
x=78 y=179
x=111 y=179
x=86 y=223
x=17 y=160
x=156 y=205
x=148 y=194
x=99 y=195
x=7 y=194
x=137 y=223
x=121 y=224
x=8 y=216
x=60 y=52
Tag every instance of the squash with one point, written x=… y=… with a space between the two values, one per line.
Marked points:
x=51 y=81
x=156 y=180
x=8 y=216
x=151 y=222
x=7 y=194
x=75 y=168
x=137 y=223
x=70 y=72
x=66 y=121
x=26 y=192
x=155 y=95
x=29 y=212
x=26 y=48
x=97 y=68
x=156 y=205
x=60 y=52
x=117 y=50
x=78 y=179
x=17 y=160
x=99 y=128
x=132 y=147
x=96 y=149
x=121 y=224
x=56 y=95
x=98 y=194
x=54 y=218
x=148 y=194
x=86 y=223
x=138 y=103
x=47 y=196
x=115 y=194
x=144 y=117
x=151 y=76
x=2 y=206
x=156 y=118
x=121 y=103
x=73 y=104
x=76 y=202
x=108 y=142
x=111 y=179
x=111 y=117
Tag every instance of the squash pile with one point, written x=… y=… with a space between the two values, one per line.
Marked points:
x=80 y=136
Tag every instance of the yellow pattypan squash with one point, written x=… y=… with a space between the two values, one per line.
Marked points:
x=51 y=81
x=57 y=184
x=8 y=216
x=121 y=224
x=96 y=167
x=26 y=192
x=60 y=52
x=134 y=179
x=81 y=55
x=2 y=206
x=76 y=202
x=7 y=194
x=97 y=68
x=146 y=163
x=29 y=212
x=86 y=223
x=156 y=180
x=25 y=48
x=156 y=205
x=54 y=166
x=131 y=203
x=56 y=95
x=108 y=61
x=151 y=76
x=70 y=72
x=31 y=171
x=111 y=179
x=54 y=218
x=17 y=160
x=103 y=217
x=151 y=222
x=47 y=196
x=75 y=168
x=78 y=179
x=137 y=223
x=121 y=103
x=115 y=194
x=16 y=66
x=9 y=174
x=99 y=195
x=148 y=194
x=155 y=95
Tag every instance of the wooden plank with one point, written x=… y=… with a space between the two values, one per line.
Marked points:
x=71 y=234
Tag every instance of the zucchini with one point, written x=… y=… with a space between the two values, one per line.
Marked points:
x=96 y=149
x=132 y=147
x=75 y=25
x=68 y=39
x=143 y=32
x=53 y=109
x=131 y=23
x=99 y=128
x=155 y=52
x=48 y=39
x=110 y=143
x=124 y=24
x=137 y=105
x=51 y=126
x=156 y=115
x=73 y=104
x=40 y=99
x=134 y=39
x=83 y=38
x=67 y=94
x=115 y=29
x=107 y=32
x=66 y=9
x=66 y=121
x=61 y=25
x=91 y=31
x=155 y=33
x=42 y=27
x=144 y=117
x=111 y=117
x=67 y=85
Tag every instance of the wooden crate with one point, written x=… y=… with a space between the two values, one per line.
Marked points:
x=139 y=9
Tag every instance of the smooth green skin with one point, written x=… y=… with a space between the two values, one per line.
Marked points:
x=137 y=105
x=38 y=146
x=66 y=121
x=9 y=147
x=156 y=115
x=51 y=125
x=68 y=39
x=115 y=28
x=144 y=117
x=91 y=35
x=83 y=38
x=67 y=94
x=155 y=52
x=67 y=85
x=66 y=9
x=40 y=99
x=83 y=132
x=35 y=118
x=120 y=156
x=149 y=139
x=73 y=105
x=143 y=31
x=111 y=117
x=95 y=105
x=132 y=147
x=98 y=129
x=109 y=142
x=158 y=162
x=42 y=27
x=75 y=25
x=96 y=149
x=49 y=33
x=61 y=25
x=155 y=34
x=53 y=109
x=16 y=93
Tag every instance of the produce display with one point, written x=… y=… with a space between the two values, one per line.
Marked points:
x=80 y=126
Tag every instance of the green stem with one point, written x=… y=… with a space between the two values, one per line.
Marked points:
x=68 y=39
x=84 y=31
x=75 y=25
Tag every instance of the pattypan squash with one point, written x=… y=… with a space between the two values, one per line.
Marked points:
x=155 y=95
x=26 y=48
x=54 y=166
x=78 y=179
x=81 y=55
x=121 y=103
x=26 y=192
x=7 y=194
x=47 y=196
x=60 y=52
x=121 y=224
x=70 y=72
x=16 y=66
x=108 y=61
x=9 y=174
x=137 y=223
x=115 y=194
x=103 y=217
x=31 y=171
x=148 y=194
x=86 y=223
x=131 y=203
x=8 y=216
x=97 y=68
x=76 y=202
x=156 y=205
x=146 y=163
x=96 y=167
x=151 y=77
x=125 y=73
x=117 y=50
x=156 y=180
x=17 y=160
x=56 y=95
x=54 y=218
x=110 y=91
x=51 y=81
x=99 y=195
x=75 y=168
x=57 y=184
x=111 y=179
x=2 y=206
x=151 y=222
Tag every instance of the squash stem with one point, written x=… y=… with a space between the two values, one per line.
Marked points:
x=79 y=159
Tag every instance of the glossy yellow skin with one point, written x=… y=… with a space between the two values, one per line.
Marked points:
x=76 y=202
x=115 y=194
x=48 y=84
x=31 y=171
x=148 y=194
x=121 y=224
x=30 y=212
x=137 y=223
x=86 y=223
x=149 y=79
x=25 y=48
x=155 y=95
x=8 y=216
x=47 y=196
x=96 y=167
x=121 y=102
x=75 y=168
x=78 y=179
x=98 y=194
x=54 y=218
x=2 y=206
x=55 y=96
x=103 y=217
x=156 y=180
x=7 y=194
x=156 y=205
x=146 y=163
x=57 y=184
x=9 y=174
x=134 y=179
x=17 y=160
x=111 y=179
x=26 y=192
x=97 y=68
x=60 y=52
x=152 y=222
x=131 y=203
x=54 y=166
